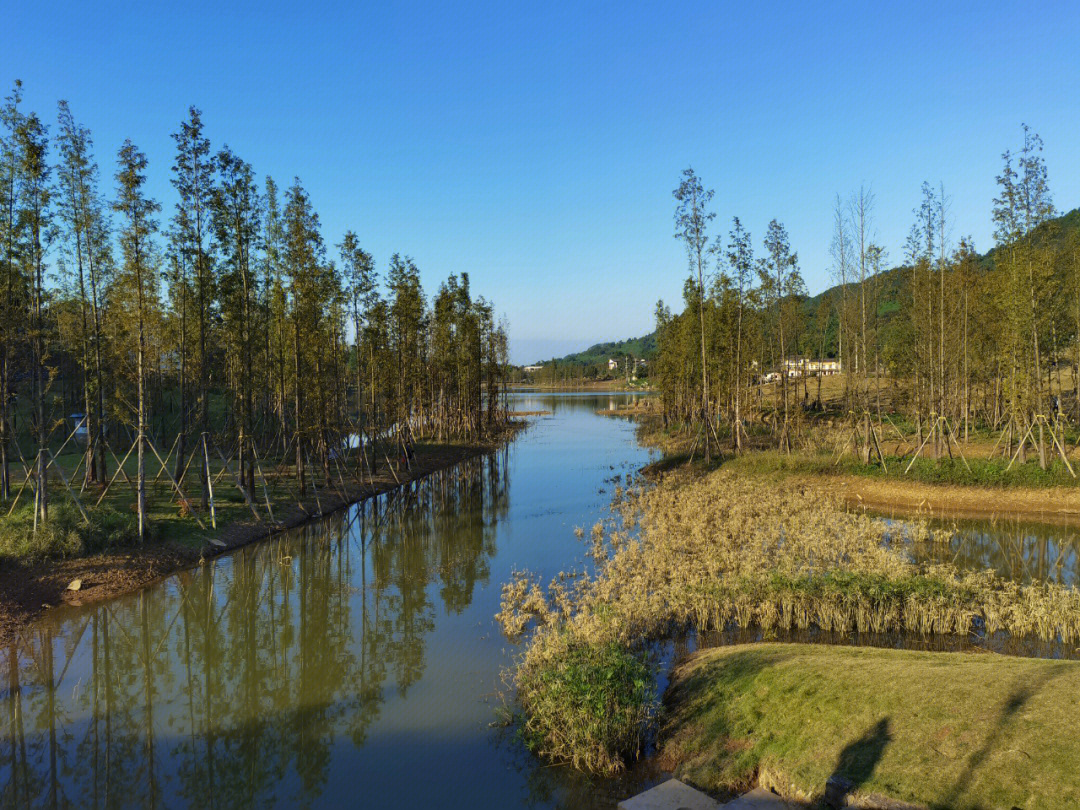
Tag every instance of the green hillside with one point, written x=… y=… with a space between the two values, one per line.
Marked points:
x=639 y=347
x=895 y=287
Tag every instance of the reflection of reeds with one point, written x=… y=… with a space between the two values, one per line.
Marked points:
x=721 y=550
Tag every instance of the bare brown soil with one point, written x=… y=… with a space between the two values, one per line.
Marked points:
x=1057 y=505
x=646 y=408
x=27 y=590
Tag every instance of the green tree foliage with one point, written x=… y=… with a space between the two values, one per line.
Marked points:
x=951 y=341
x=236 y=337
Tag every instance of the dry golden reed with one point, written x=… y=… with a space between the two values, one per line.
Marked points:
x=709 y=552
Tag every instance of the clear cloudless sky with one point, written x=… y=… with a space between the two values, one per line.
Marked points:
x=535 y=146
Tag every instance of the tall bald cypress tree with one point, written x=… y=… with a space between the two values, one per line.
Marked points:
x=358 y=272
x=193 y=178
x=36 y=219
x=80 y=207
x=137 y=211
x=236 y=210
x=11 y=278
x=692 y=217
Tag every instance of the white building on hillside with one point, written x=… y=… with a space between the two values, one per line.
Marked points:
x=801 y=366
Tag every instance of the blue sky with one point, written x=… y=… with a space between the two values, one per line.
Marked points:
x=536 y=147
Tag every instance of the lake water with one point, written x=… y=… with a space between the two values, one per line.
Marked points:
x=353 y=662
x=356 y=662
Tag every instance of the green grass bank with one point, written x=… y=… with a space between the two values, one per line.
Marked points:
x=939 y=730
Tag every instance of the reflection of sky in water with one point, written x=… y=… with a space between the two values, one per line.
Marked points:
x=352 y=662
x=1022 y=551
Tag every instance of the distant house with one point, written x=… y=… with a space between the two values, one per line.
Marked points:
x=531 y=369
x=612 y=365
x=800 y=367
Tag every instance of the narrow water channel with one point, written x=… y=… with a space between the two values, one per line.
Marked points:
x=354 y=662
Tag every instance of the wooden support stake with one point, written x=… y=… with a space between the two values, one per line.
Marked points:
x=239 y=485
x=917 y=452
x=168 y=457
x=71 y=492
x=119 y=469
x=184 y=498
x=266 y=488
x=314 y=486
x=209 y=483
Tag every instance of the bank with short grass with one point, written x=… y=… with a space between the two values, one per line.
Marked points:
x=932 y=729
x=971 y=486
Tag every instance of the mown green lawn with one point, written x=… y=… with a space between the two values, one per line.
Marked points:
x=943 y=730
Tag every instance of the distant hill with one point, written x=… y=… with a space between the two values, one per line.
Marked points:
x=895 y=288
x=895 y=283
x=639 y=347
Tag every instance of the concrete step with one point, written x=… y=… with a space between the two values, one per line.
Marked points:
x=759 y=799
x=674 y=795
x=671 y=795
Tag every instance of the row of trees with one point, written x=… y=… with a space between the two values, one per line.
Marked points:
x=952 y=340
x=227 y=324
x=741 y=316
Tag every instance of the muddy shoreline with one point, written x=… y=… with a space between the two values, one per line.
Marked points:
x=29 y=590
x=1059 y=506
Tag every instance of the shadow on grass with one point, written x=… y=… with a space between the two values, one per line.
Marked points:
x=857 y=761
x=703 y=722
x=1017 y=700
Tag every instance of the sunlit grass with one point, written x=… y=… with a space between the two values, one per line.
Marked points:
x=933 y=729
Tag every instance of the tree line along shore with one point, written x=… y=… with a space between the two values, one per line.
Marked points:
x=947 y=347
x=169 y=375
x=956 y=374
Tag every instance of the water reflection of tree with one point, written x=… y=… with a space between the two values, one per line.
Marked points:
x=230 y=685
x=1017 y=551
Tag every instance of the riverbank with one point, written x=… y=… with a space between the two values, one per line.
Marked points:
x=593 y=386
x=931 y=488
x=930 y=729
x=27 y=589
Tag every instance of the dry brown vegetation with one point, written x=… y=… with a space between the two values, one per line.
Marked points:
x=720 y=550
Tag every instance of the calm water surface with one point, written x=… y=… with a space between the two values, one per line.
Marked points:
x=354 y=662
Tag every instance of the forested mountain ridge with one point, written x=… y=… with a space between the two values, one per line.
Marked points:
x=895 y=287
x=894 y=284
x=639 y=347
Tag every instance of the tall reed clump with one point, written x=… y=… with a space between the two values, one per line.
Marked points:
x=590 y=705
x=716 y=551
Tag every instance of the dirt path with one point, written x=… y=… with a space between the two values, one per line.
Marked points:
x=26 y=591
x=1057 y=505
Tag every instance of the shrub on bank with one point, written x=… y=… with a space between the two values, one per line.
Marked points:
x=589 y=705
x=65 y=533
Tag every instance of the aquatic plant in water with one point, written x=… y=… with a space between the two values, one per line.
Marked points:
x=715 y=551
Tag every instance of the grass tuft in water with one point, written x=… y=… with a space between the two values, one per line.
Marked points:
x=589 y=705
